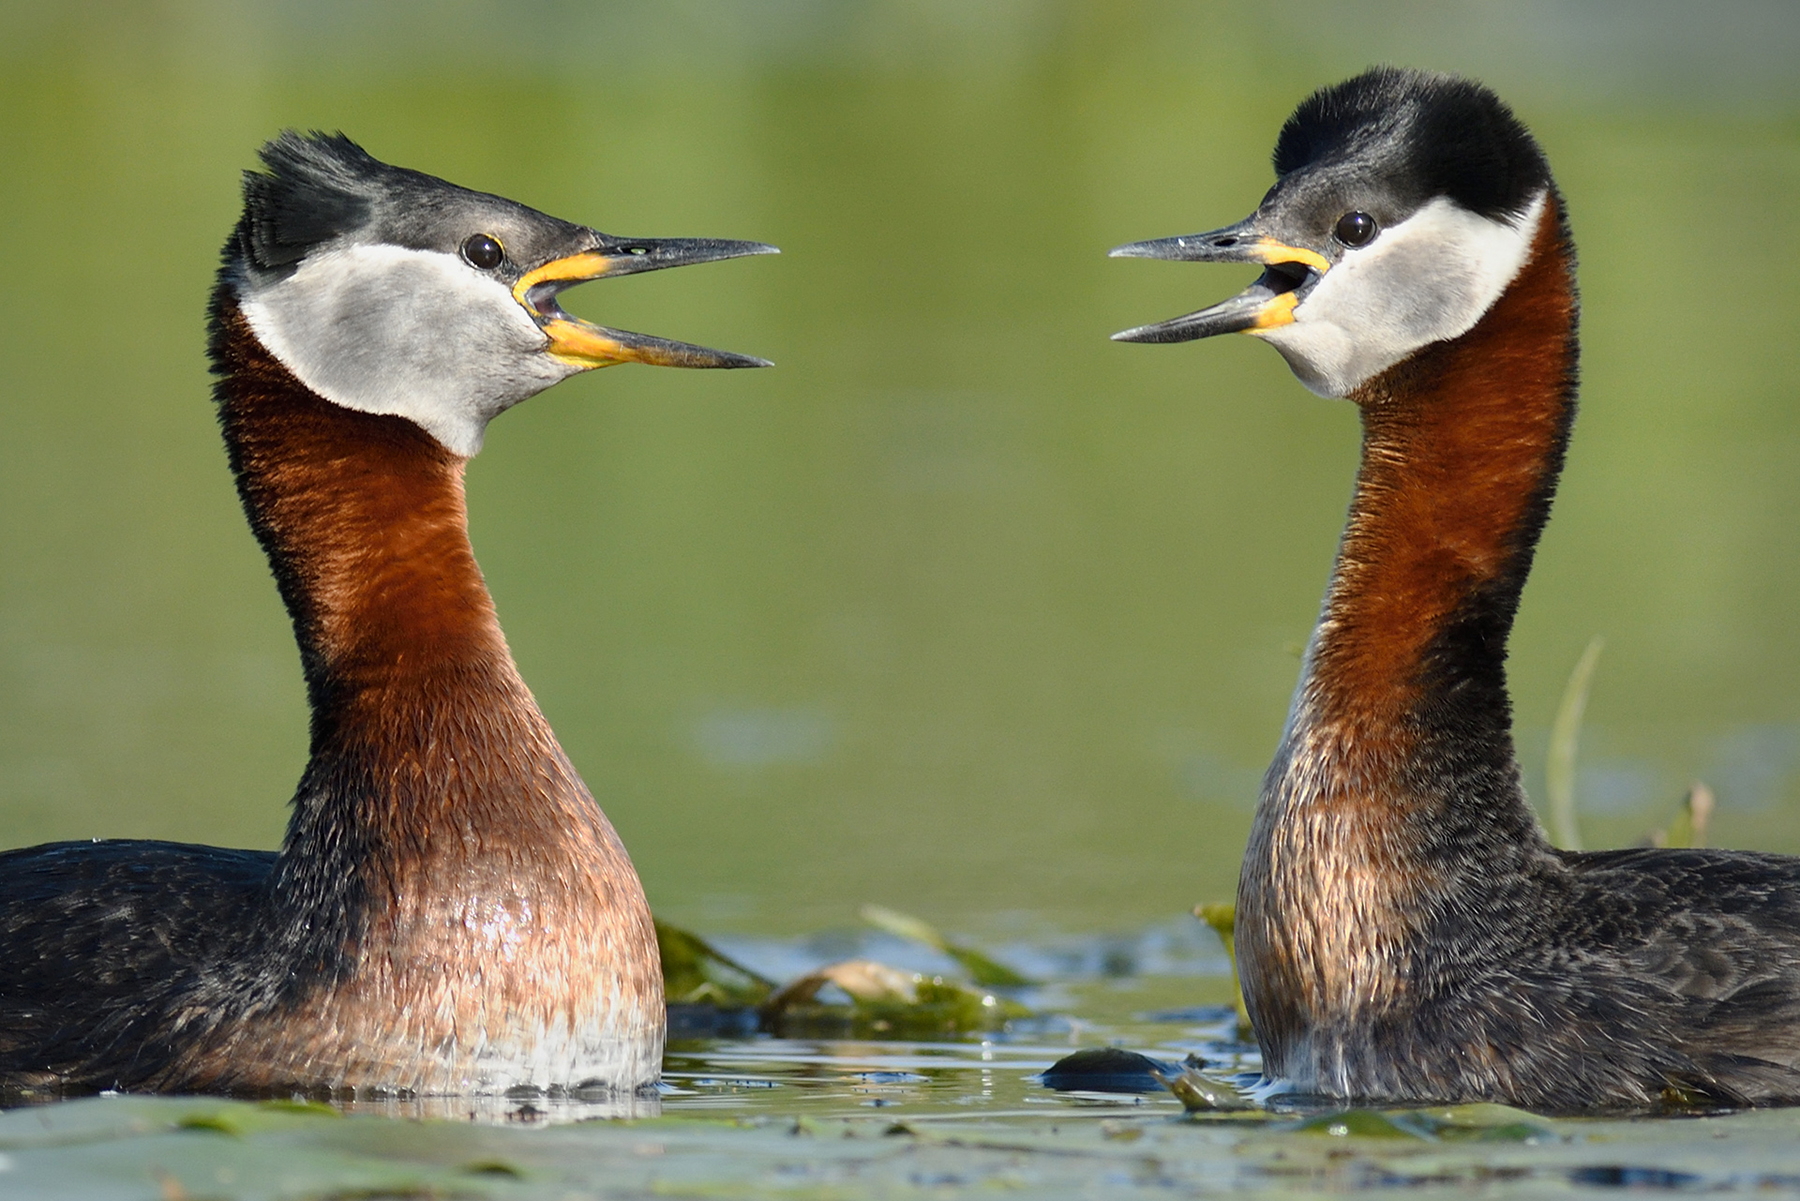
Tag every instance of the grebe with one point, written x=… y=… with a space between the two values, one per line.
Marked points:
x=450 y=912
x=1404 y=931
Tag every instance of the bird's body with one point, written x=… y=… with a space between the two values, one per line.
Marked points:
x=450 y=912
x=1405 y=933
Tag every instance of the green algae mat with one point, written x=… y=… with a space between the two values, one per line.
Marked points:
x=129 y=1147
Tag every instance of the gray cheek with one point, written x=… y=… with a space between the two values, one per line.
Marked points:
x=1366 y=316
x=411 y=343
x=1415 y=295
x=410 y=335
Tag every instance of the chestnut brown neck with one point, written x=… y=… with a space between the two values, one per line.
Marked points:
x=363 y=519
x=1462 y=447
x=428 y=751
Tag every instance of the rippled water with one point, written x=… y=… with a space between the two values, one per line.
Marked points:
x=757 y=1116
x=1146 y=992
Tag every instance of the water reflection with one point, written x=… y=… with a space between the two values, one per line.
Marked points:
x=527 y=1108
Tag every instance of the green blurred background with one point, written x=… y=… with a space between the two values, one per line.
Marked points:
x=962 y=608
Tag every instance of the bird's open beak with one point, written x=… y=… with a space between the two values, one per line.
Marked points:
x=587 y=345
x=1266 y=304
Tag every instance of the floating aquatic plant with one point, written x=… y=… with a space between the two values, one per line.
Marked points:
x=877 y=998
x=982 y=970
x=1200 y=1093
x=697 y=973
x=884 y=1000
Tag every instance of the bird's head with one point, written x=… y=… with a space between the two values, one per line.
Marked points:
x=1405 y=203
x=390 y=291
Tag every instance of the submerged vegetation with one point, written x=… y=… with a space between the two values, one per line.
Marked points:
x=850 y=998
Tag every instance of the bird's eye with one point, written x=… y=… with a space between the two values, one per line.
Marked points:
x=1355 y=229
x=482 y=251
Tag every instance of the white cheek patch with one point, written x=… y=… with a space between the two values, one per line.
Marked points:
x=415 y=333
x=1428 y=279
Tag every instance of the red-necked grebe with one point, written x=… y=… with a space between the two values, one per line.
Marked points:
x=450 y=912
x=1404 y=931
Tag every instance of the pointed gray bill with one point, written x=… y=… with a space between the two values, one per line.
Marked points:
x=588 y=345
x=1267 y=303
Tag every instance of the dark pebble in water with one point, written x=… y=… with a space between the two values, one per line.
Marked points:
x=1106 y=1070
x=1617 y=1176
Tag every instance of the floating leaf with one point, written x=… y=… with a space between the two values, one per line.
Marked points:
x=493 y=1167
x=1481 y=1122
x=317 y=1109
x=1199 y=1093
x=699 y=979
x=696 y=972
x=884 y=1000
x=1360 y=1123
x=217 y=1123
x=982 y=970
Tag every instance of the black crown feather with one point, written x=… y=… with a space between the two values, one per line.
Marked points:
x=315 y=189
x=1457 y=138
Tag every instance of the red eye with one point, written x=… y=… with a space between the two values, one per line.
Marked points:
x=1356 y=229
x=483 y=252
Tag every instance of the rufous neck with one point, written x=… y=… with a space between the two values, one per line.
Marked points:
x=363 y=520
x=1462 y=446
x=436 y=810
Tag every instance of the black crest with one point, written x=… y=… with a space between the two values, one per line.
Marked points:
x=317 y=187
x=1450 y=136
